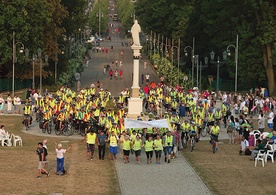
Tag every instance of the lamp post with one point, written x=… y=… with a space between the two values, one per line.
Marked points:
x=14 y=57
x=34 y=58
x=192 y=57
x=178 y=61
x=218 y=63
x=200 y=72
x=100 y=15
x=56 y=59
x=236 y=60
x=39 y=54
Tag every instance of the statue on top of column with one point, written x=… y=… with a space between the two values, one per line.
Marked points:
x=135 y=30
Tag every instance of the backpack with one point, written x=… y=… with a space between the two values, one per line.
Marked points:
x=45 y=151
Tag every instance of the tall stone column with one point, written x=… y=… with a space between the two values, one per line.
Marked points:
x=135 y=103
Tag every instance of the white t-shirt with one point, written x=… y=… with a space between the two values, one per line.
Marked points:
x=244 y=144
x=270 y=117
x=35 y=96
x=18 y=101
x=60 y=153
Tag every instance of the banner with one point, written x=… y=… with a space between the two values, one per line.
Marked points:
x=131 y=123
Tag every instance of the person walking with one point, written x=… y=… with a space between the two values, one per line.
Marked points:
x=158 y=148
x=168 y=143
x=121 y=73
x=149 y=149
x=126 y=148
x=137 y=145
x=101 y=140
x=113 y=147
x=145 y=64
x=111 y=74
x=90 y=143
x=142 y=78
x=60 y=158
x=41 y=156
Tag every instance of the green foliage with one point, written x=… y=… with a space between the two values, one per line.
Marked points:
x=100 y=9
x=74 y=65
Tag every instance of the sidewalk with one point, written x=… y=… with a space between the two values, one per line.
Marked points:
x=177 y=177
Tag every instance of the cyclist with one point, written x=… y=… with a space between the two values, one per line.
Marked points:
x=218 y=116
x=210 y=119
x=60 y=119
x=199 y=124
x=46 y=117
x=193 y=131
x=185 y=129
x=27 y=113
x=214 y=134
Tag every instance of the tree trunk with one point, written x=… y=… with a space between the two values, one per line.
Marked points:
x=269 y=70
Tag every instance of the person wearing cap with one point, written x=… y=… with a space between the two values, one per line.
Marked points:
x=60 y=158
x=168 y=144
x=27 y=112
x=90 y=138
x=113 y=147
x=101 y=140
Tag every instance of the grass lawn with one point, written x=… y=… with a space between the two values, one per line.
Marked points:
x=227 y=172
x=19 y=167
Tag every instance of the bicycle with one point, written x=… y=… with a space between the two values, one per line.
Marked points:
x=213 y=142
x=25 y=123
x=204 y=129
x=184 y=140
x=192 y=136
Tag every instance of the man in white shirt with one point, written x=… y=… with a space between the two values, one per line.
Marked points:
x=244 y=145
x=270 y=119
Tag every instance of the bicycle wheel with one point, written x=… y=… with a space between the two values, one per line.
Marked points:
x=26 y=124
x=49 y=129
x=204 y=131
x=184 y=142
x=66 y=131
x=192 y=144
x=214 y=147
x=82 y=132
x=57 y=131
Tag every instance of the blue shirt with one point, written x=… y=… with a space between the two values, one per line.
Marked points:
x=102 y=139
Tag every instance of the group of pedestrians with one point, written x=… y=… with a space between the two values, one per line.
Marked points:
x=42 y=152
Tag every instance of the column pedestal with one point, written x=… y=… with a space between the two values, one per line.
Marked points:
x=135 y=104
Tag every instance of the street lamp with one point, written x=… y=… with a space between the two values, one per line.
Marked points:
x=200 y=71
x=177 y=61
x=39 y=54
x=34 y=58
x=218 y=63
x=56 y=59
x=236 y=60
x=100 y=15
x=14 y=57
x=192 y=57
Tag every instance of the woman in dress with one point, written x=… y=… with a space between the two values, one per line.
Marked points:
x=9 y=101
x=2 y=102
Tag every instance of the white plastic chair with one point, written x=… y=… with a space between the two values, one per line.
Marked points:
x=7 y=140
x=260 y=157
x=16 y=139
x=256 y=137
x=269 y=152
